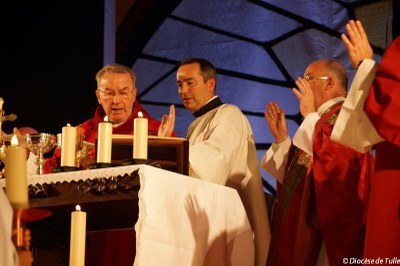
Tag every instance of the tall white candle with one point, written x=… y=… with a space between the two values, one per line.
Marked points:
x=78 y=238
x=15 y=172
x=104 y=142
x=68 y=146
x=140 y=129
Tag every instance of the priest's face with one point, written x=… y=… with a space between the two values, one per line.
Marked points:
x=192 y=88
x=319 y=82
x=116 y=94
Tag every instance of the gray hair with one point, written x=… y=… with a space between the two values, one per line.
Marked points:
x=115 y=68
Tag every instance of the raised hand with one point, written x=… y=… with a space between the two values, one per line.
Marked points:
x=305 y=96
x=167 y=123
x=357 y=44
x=276 y=121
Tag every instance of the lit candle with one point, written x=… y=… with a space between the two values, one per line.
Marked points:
x=15 y=172
x=78 y=238
x=68 y=146
x=140 y=125
x=104 y=142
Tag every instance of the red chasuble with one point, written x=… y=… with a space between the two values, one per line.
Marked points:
x=90 y=127
x=333 y=203
x=383 y=109
x=287 y=209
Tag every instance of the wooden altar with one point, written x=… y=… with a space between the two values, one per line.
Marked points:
x=106 y=211
x=171 y=153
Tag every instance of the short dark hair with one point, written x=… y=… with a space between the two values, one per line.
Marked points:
x=116 y=68
x=207 y=69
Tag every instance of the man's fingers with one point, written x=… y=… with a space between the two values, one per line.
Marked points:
x=297 y=93
x=171 y=117
x=353 y=30
x=361 y=30
x=282 y=113
x=347 y=42
x=172 y=109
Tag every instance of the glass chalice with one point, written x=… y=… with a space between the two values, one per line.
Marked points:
x=39 y=144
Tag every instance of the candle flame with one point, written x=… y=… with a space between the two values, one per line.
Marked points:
x=78 y=208
x=14 y=140
x=140 y=114
x=68 y=124
x=106 y=119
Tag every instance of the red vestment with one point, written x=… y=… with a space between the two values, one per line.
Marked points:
x=91 y=126
x=383 y=109
x=287 y=209
x=332 y=208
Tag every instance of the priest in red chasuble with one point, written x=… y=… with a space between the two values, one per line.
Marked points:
x=116 y=95
x=319 y=214
x=371 y=117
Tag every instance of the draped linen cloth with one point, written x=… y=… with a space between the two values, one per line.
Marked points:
x=8 y=252
x=186 y=221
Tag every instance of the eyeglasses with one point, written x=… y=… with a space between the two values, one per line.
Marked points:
x=309 y=77
x=109 y=94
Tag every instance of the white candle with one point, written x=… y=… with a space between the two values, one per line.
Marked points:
x=104 y=142
x=15 y=172
x=78 y=238
x=68 y=146
x=140 y=125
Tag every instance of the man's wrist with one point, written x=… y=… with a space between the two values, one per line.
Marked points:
x=305 y=114
x=280 y=140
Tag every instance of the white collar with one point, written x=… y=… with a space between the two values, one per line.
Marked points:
x=328 y=104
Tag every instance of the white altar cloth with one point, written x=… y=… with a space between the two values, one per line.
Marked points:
x=68 y=177
x=186 y=221
x=182 y=220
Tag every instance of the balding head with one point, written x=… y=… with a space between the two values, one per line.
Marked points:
x=334 y=83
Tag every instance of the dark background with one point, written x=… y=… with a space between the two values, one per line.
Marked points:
x=51 y=52
x=53 y=49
